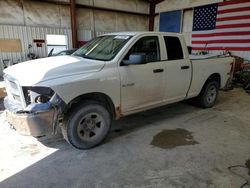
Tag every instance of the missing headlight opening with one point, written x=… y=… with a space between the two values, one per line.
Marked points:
x=37 y=94
x=42 y=99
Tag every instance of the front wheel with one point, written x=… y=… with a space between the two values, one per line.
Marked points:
x=209 y=94
x=87 y=125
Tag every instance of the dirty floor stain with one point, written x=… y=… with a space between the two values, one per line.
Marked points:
x=168 y=139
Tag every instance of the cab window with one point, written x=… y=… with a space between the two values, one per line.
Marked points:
x=174 y=48
x=148 y=46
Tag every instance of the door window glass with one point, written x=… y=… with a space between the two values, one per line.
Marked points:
x=149 y=46
x=174 y=48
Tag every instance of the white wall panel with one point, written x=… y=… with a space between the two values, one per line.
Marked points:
x=104 y=20
x=34 y=13
x=84 y=2
x=84 y=35
x=139 y=6
x=125 y=22
x=142 y=23
x=187 y=24
x=170 y=5
x=156 y=22
x=11 y=12
x=84 y=18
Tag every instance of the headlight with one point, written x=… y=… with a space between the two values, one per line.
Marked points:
x=37 y=94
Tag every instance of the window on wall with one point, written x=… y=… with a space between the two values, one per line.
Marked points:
x=170 y=21
x=56 y=43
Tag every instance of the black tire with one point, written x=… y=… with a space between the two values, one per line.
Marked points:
x=87 y=125
x=209 y=94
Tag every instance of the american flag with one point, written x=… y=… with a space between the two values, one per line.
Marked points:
x=222 y=26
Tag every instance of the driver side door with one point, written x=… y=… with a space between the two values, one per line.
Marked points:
x=142 y=85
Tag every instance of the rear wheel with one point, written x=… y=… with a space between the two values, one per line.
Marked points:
x=87 y=125
x=209 y=94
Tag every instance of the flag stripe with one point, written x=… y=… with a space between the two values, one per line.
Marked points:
x=222 y=34
x=223 y=48
x=233 y=25
x=233 y=18
x=240 y=5
x=224 y=45
x=233 y=22
x=241 y=29
x=233 y=14
x=233 y=10
x=207 y=39
x=233 y=2
x=222 y=41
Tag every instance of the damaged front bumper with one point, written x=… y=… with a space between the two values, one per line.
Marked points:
x=40 y=120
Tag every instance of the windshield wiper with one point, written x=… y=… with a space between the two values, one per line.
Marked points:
x=87 y=57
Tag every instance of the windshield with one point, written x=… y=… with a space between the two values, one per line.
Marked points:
x=103 y=48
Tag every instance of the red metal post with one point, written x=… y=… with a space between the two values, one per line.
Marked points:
x=151 y=16
x=73 y=23
x=152 y=4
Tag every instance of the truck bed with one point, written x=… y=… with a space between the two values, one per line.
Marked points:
x=207 y=56
x=204 y=65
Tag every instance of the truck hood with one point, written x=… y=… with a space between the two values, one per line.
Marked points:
x=32 y=72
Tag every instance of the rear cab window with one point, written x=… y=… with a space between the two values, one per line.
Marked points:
x=173 y=48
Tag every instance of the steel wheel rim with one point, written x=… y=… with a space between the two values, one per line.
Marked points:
x=211 y=94
x=90 y=126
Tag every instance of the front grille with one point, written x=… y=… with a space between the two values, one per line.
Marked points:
x=14 y=92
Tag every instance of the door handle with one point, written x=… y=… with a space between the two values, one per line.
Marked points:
x=158 y=70
x=185 y=67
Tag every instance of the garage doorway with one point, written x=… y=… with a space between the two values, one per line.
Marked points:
x=56 y=43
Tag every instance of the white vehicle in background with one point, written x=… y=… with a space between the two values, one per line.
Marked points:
x=112 y=76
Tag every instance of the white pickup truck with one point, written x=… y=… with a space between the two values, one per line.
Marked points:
x=112 y=76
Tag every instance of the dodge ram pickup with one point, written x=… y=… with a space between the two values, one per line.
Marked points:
x=111 y=76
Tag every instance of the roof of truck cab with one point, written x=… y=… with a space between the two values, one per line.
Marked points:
x=133 y=33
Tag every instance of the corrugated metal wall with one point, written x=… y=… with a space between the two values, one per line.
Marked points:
x=27 y=34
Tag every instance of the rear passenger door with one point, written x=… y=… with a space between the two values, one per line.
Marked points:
x=177 y=69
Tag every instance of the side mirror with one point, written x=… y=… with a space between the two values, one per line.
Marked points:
x=136 y=58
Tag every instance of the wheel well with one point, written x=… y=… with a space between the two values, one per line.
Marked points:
x=99 y=97
x=215 y=77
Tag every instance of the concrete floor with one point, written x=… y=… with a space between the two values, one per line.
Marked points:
x=214 y=139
